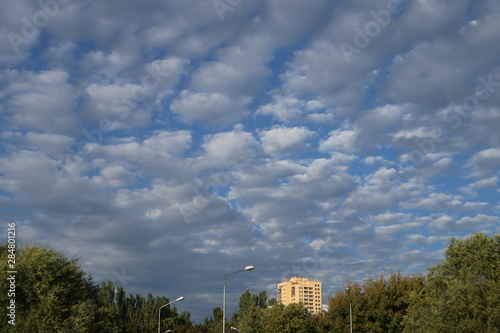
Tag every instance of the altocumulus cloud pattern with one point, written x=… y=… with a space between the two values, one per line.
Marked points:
x=167 y=143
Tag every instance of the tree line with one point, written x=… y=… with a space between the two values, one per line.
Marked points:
x=460 y=294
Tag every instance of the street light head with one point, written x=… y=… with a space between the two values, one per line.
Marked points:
x=161 y=307
x=247 y=268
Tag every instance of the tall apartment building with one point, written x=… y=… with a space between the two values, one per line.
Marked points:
x=301 y=290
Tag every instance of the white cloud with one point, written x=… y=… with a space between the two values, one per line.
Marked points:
x=153 y=213
x=227 y=150
x=268 y=174
x=483 y=163
x=342 y=140
x=381 y=191
x=112 y=64
x=389 y=217
x=372 y=160
x=232 y=76
x=436 y=201
x=41 y=101
x=391 y=229
x=109 y=102
x=479 y=221
x=471 y=188
x=50 y=144
x=164 y=142
x=18 y=172
x=114 y=176
x=442 y=222
x=214 y=109
x=284 y=139
x=161 y=144
x=166 y=72
x=289 y=109
x=342 y=159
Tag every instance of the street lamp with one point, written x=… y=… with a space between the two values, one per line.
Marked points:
x=247 y=268
x=350 y=307
x=175 y=300
x=237 y=330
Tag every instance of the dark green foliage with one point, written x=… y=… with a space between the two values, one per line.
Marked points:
x=462 y=293
x=54 y=295
x=249 y=316
x=51 y=294
x=377 y=306
x=257 y=314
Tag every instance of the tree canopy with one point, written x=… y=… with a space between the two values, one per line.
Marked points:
x=378 y=305
x=54 y=295
x=462 y=293
x=51 y=290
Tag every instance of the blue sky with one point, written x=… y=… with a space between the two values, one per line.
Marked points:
x=168 y=143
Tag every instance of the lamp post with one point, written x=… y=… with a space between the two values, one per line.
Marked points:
x=159 y=310
x=350 y=307
x=247 y=268
x=237 y=330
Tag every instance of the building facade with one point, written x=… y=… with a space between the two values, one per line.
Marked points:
x=302 y=290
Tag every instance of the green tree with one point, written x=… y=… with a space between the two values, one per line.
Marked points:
x=258 y=314
x=292 y=318
x=109 y=312
x=52 y=293
x=248 y=318
x=214 y=323
x=379 y=305
x=338 y=305
x=273 y=319
x=462 y=293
